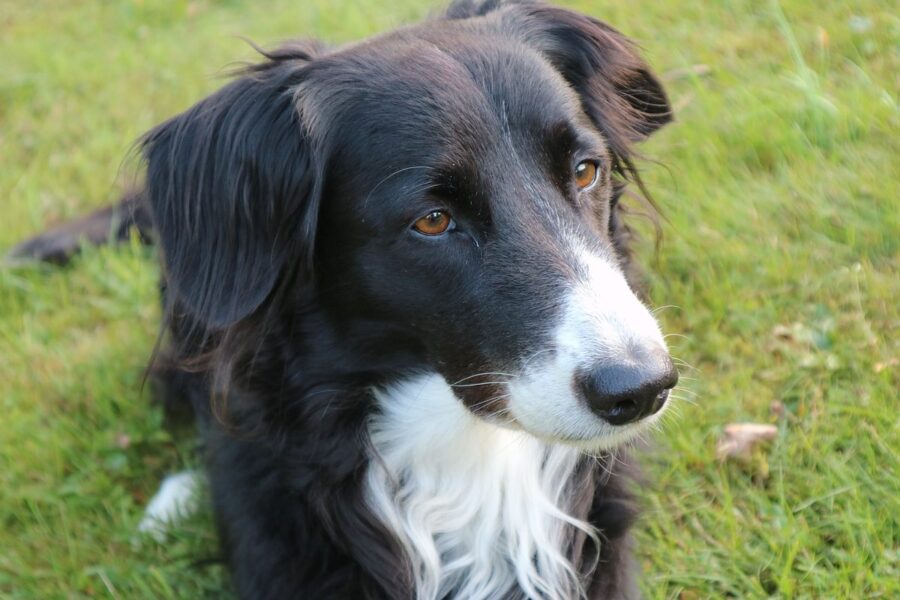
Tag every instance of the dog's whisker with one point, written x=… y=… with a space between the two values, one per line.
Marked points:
x=686 y=390
x=686 y=400
x=482 y=375
x=463 y=385
x=682 y=389
x=534 y=356
x=660 y=309
x=675 y=335
x=489 y=401
x=674 y=409
x=685 y=397
x=684 y=364
x=678 y=401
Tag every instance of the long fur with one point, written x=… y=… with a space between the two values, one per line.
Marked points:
x=388 y=414
x=482 y=510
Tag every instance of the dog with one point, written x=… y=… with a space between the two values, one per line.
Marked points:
x=402 y=306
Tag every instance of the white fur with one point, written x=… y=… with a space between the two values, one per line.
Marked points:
x=602 y=320
x=479 y=509
x=176 y=499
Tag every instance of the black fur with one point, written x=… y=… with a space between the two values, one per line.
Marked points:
x=282 y=205
x=111 y=223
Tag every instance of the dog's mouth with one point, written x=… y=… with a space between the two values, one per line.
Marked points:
x=581 y=428
x=564 y=415
x=602 y=376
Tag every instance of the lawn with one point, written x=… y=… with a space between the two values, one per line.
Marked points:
x=778 y=272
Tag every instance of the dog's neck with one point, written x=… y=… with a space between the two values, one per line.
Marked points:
x=479 y=510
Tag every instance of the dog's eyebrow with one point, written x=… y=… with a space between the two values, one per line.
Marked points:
x=387 y=177
x=578 y=136
x=593 y=143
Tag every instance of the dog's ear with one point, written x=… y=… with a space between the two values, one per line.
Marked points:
x=231 y=184
x=618 y=90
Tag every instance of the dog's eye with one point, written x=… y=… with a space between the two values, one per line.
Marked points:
x=434 y=223
x=585 y=174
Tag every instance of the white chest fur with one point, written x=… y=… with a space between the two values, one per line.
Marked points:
x=478 y=509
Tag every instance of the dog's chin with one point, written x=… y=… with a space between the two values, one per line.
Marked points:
x=609 y=441
x=593 y=437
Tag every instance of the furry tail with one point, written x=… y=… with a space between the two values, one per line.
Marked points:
x=110 y=224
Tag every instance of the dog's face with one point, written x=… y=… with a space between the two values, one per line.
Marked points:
x=452 y=183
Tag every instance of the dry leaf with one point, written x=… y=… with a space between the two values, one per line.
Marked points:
x=740 y=439
x=881 y=366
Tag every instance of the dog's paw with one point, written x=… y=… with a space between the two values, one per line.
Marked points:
x=176 y=499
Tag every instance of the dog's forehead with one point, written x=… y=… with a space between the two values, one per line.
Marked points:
x=424 y=87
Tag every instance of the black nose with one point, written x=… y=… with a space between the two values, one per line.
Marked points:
x=626 y=391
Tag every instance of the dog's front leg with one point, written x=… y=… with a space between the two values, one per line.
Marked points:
x=285 y=536
x=275 y=545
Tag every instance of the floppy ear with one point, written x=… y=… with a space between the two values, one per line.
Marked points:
x=231 y=184
x=618 y=90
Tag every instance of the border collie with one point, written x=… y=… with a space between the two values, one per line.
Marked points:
x=401 y=305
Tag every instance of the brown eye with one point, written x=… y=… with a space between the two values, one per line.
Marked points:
x=434 y=223
x=585 y=174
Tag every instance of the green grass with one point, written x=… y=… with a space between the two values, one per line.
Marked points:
x=780 y=186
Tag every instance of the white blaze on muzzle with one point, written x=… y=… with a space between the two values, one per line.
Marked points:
x=602 y=322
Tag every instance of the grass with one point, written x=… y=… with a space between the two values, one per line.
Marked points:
x=780 y=186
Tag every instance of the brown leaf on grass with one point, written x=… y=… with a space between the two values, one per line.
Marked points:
x=782 y=331
x=739 y=439
x=881 y=366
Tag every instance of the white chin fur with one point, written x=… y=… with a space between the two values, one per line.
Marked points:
x=479 y=510
x=602 y=320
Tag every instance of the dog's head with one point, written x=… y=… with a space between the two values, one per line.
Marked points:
x=447 y=194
